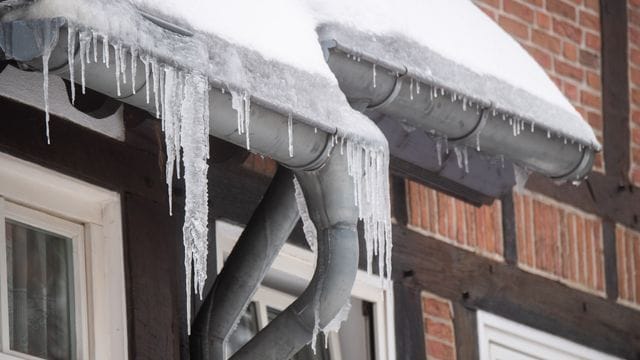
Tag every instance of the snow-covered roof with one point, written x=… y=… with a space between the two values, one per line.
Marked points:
x=271 y=49
x=451 y=44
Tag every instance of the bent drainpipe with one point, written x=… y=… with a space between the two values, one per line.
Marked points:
x=328 y=192
x=245 y=268
x=393 y=94
x=325 y=183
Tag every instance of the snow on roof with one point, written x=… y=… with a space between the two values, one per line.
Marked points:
x=272 y=50
x=450 y=43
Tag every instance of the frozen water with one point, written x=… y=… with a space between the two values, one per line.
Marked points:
x=290 y=133
x=310 y=232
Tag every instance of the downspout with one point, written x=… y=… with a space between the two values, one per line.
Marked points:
x=245 y=268
x=328 y=192
x=326 y=184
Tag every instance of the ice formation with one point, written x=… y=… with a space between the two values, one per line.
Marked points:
x=310 y=231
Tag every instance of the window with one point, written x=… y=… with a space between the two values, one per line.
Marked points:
x=61 y=267
x=366 y=335
x=500 y=338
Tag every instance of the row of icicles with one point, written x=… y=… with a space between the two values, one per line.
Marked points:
x=518 y=124
x=181 y=101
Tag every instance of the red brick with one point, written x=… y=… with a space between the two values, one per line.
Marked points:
x=635 y=96
x=518 y=9
x=592 y=5
x=594 y=81
x=542 y=57
x=634 y=76
x=439 y=330
x=562 y=8
x=589 y=59
x=635 y=135
x=514 y=27
x=440 y=350
x=634 y=56
x=436 y=307
x=593 y=41
x=570 y=91
x=589 y=20
x=569 y=51
x=567 y=30
x=546 y=41
x=543 y=20
x=594 y=119
x=490 y=12
x=566 y=69
x=635 y=175
x=591 y=100
x=635 y=117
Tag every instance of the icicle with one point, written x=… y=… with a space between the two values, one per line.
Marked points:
x=290 y=131
x=411 y=88
x=374 y=76
x=458 y=153
x=247 y=118
x=116 y=58
x=465 y=154
x=334 y=325
x=418 y=87
x=446 y=145
x=105 y=50
x=548 y=134
x=533 y=126
x=145 y=61
x=94 y=40
x=478 y=142
x=134 y=68
x=123 y=64
x=193 y=94
x=502 y=161
x=464 y=104
x=71 y=54
x=49 y=41
x=156 y=88
x=315 y=130
x=85 y=40
x=368 y=169
x=310 y=232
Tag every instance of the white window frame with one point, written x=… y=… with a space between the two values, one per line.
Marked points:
x=300 y=264
x=499 y=336
x=46 y=199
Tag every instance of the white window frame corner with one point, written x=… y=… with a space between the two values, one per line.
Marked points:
x=97 y=249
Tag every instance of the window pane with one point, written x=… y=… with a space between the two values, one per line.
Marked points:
x=40 y=292
x=247 y=328
x=306 y=353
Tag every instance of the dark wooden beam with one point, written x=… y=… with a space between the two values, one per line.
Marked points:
x=510 y=292
x=409 y=326
x=465 y=326
x=610 y=259
x=602 y=195
x=399 y=200
x=615 y=87
x=79 y=152
x=510 y=243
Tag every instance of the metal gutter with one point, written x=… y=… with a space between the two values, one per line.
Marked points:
x=393 y=93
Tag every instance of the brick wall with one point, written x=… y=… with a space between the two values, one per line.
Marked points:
x=454 y=221
x=559 y=241
x=260 y=164
x=634 y=84
x=628 y=259
x=564 y=37
x=437 y=314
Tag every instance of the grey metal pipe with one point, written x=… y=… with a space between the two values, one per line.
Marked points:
x=245 y=268
x=269 y=134
x=328 y=193
x=395 y=95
